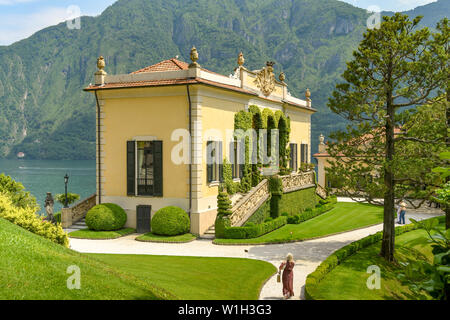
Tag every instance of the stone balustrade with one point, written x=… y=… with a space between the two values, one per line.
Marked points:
x=321 y=192
x=246 y=206
x=77 y=212
x=297 y=181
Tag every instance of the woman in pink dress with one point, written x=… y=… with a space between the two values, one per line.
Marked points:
x=288 y=276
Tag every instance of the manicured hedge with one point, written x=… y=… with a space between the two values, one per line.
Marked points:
x=322 y=207
x=297 y=201
x=106 y=217
x=255 y=230
x=170 y=221
x=261 y=214
x=29 y=220
x=340 y=255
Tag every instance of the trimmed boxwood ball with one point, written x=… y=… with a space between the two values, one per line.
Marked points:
x=170 y=221
x=106 y=217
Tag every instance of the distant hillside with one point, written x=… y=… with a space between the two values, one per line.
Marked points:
x=45 y=113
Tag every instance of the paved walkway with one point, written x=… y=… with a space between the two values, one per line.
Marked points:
x=308 y=254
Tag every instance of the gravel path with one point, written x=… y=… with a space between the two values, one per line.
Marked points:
x=307 y=254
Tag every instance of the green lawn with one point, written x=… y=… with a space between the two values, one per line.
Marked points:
x=348 y=280
x=32 y=267
x=344 y=217
x=150 y=237
x=196 y=277
x=101 y=235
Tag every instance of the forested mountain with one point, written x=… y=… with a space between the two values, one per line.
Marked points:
x=45 y=113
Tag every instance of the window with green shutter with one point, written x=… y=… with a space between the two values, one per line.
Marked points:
x=145 y=168
x=304 y=153
x=131 y=170
x=293 y=161
x=214 y=161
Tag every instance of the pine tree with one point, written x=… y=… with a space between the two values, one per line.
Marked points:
x=394 y=68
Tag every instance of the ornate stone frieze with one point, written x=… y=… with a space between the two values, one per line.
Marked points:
x=265 y=79
x=297 y=181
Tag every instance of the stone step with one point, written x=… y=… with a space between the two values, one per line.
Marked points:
x=77 y=227
x=80 y=224
x=208 y=236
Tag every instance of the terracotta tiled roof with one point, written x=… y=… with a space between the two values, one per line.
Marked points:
x=155 y=83
x=176 y=65
x=166 y=65
x=152 y=83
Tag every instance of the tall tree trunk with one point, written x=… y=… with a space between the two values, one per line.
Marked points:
x=388 y=242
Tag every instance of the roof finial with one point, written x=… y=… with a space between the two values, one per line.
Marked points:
x=241 y=59
x=308 y=98
x=282 y=77
x=101 y=63
x=194 y=58
x=321 y=139
x=308 y=95
x=100 y=74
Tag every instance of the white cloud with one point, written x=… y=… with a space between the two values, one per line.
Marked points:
x=20 y=26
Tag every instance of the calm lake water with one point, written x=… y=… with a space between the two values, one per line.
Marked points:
x=42 y=176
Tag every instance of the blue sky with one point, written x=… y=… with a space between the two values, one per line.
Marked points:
x=19 y=19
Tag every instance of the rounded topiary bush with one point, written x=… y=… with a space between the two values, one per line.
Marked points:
x=106 y=217
x=170 y=221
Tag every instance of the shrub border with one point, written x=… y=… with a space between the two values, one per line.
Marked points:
x=164 y=241
x=256 y=230
x=120 y=236
x=317 y=211
x=332 y=206
x=340 y=255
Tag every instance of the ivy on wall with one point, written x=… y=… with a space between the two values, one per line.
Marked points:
x=256 y=119
x=230 y=185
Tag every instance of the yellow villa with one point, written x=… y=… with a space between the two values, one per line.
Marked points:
x=139 y=120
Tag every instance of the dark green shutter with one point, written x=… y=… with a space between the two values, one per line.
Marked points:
x=220 y=161
x=232 y=159
x=209 y=166
x=302 y=153
x=131 y=169
x=157 y=168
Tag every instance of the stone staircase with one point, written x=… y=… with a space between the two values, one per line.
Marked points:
x=80 y=224
x=210 y=234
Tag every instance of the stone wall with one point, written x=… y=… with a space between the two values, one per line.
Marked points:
x=297 y=181
x=73 y=214
x=321 y=192
x=246 y=206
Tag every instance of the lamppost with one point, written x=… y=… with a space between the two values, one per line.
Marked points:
x=66 y=180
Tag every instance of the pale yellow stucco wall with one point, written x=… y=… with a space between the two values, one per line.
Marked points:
x=217 y=114
x=157 y=112
x=300 y=129
x=128 y=114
